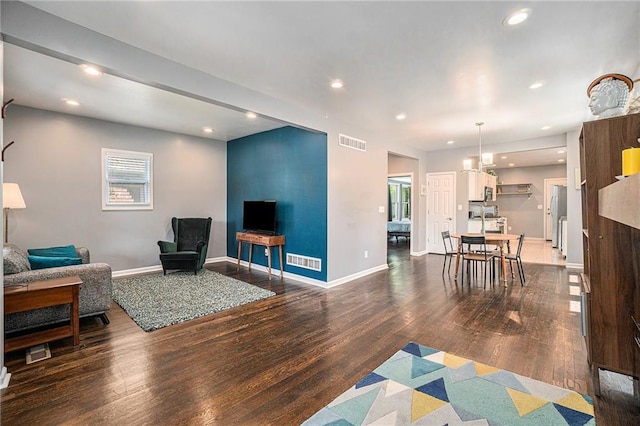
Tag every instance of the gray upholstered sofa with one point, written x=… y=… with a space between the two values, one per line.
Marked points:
x=95 y=291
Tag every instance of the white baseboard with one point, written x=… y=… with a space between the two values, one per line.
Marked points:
x=4 y=378
x=136 y=271
x=275 y=272
x=357 y=275
x=307 y=280
x=577 y=266
x=419 y=253
x=154 y=268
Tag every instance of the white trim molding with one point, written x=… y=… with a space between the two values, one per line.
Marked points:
x=274 y=271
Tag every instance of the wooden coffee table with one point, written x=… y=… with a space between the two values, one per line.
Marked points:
x=42 y=294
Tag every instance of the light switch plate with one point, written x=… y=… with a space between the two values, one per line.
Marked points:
x=380 y=209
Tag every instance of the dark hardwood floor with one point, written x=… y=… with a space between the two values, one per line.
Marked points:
x=279 y=360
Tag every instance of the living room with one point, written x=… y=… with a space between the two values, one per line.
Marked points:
x=64 y=149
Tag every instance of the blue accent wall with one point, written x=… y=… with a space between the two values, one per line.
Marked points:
x=288 y=165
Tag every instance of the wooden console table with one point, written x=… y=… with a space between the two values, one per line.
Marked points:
x=263 y=240
x=43 y=294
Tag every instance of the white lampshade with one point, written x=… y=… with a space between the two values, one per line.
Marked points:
x=466 y=164
x=487 y=158
x=12 y=197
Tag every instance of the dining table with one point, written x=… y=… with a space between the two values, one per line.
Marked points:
x=499 y=240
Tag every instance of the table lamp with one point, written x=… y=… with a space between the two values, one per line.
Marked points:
x=11 y=199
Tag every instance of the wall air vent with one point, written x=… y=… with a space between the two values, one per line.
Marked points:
x=353 y=143
x=306 y=262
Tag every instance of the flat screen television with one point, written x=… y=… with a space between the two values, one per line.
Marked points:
x=259 y=217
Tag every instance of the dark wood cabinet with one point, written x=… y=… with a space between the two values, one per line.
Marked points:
x=611 y=250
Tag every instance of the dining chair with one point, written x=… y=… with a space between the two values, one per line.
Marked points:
x=449 y=251
x=516 y=256
x=496 y=252
x=483 y=256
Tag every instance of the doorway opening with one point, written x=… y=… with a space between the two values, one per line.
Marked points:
x=399 y=208
x=402 y=203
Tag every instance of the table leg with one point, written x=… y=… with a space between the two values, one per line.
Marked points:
x=455 y=276
x=239 y=250
x=75 y=314
x=269 y=260
x=281 y=267
x=250 y=254
x=503 y=265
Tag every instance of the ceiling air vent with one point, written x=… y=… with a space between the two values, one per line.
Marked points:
x=349 y=142
x=306 y=262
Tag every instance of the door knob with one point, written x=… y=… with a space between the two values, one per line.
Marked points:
x=449 y=218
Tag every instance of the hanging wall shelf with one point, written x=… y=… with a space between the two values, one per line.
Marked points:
x=514 y=189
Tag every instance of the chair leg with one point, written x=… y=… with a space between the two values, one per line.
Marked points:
x=104 y=318
x=444 y=264
x=484 y=275
x=521 y=271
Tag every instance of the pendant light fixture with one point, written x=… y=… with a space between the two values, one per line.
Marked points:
x=484 y=159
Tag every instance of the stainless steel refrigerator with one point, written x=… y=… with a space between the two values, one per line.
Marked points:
x=558 y=210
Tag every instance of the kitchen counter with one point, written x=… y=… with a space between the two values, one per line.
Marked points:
x=490 y=224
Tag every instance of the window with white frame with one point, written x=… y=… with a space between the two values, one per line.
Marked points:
x=127 y=180
x=399 y=199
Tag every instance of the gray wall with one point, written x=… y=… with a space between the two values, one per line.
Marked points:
x=451 y=160
x=522 y=211
x=574 y=202
x=56 y=160
x=356 y=186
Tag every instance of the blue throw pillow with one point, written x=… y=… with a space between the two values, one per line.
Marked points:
x=62 y=251
x=42 y=262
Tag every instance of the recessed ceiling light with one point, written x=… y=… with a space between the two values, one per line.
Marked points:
x=562 y=151
x=401 y=116
x=251 y=114
x=337 y=84
x=536 y=85
x=71 y=102
x=450 y=142
x=90 y=69
x=504 y=157
x=545 y=128
x=516 y=17
x=511 y=164
x=207 y=129
x=561 y=160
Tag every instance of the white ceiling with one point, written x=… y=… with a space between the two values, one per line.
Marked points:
x=446 y=65
x=40 y=81
x=536 y=157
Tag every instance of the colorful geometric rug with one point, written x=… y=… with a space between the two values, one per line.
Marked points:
x=424 y=386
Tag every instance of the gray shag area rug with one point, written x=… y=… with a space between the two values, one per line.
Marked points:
x=156 y=301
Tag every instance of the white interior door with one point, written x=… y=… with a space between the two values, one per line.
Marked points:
x=548 y=183
x=441 y=208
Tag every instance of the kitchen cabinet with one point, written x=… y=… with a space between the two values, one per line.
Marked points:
x=611 y=278
x=478 y=181
x=491 y=183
